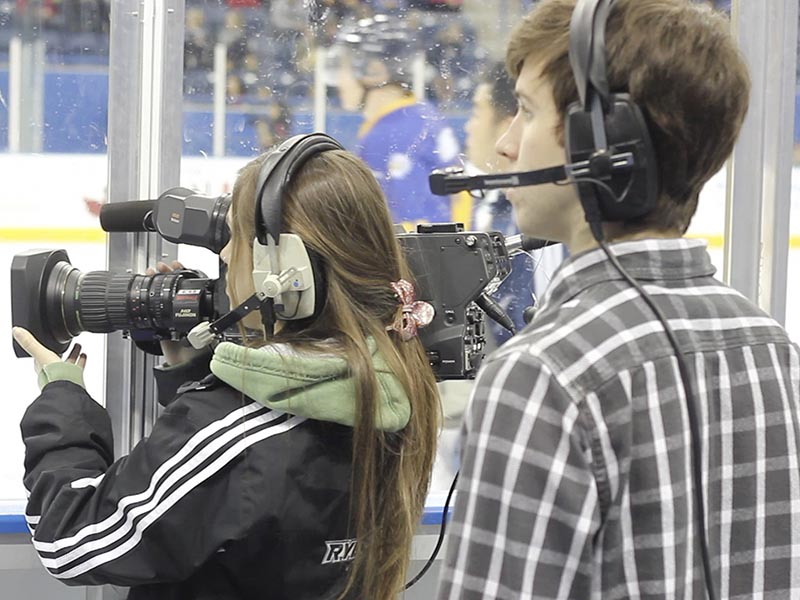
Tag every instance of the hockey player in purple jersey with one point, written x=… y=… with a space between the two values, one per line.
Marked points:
x=401 y=138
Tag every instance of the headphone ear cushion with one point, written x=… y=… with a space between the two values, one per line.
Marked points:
x=319 y=272
x=636 y=190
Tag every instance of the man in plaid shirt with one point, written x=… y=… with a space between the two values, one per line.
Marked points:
x=576 y=477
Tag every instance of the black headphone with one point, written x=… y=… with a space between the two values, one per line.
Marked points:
x=609 y=154
x=602 y=125
x=285 y=269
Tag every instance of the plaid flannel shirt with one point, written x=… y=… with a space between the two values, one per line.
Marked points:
x=576 y=479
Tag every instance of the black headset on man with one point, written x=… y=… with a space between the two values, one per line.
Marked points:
x=613 y=164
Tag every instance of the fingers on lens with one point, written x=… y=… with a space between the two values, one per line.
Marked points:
x=162 y=267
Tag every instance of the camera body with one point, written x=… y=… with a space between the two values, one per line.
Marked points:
x=452 y=268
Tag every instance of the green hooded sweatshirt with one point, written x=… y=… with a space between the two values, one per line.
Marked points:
x=314 y=385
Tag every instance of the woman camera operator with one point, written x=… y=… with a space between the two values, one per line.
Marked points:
x=298 y=469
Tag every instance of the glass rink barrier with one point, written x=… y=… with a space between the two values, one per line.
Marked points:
x=105 y=102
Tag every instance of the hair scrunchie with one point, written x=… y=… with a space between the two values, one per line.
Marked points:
x=415 y=313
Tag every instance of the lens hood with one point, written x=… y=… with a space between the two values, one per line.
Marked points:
x=30 y=273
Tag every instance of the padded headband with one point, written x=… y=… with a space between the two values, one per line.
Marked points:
x=276 y=174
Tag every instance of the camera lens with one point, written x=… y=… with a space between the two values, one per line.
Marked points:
x=105 y=301
x=56 y=302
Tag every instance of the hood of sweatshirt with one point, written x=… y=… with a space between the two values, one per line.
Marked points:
x=309 y=384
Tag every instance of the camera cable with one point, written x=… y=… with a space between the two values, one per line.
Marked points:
x=440 y=540
x=594 y=219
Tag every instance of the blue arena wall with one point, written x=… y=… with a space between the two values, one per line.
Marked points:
x=76 y=119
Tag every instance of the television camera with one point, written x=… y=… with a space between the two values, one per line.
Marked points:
x=455 y=271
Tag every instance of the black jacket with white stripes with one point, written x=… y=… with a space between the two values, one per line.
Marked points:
x=225 y=499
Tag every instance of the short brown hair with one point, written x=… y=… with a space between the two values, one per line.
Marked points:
x=680 y=64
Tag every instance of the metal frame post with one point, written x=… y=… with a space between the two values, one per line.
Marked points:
x=320 y=90
x=759 y=178
x=220 y=97
x=26 y=62
x=144 y=151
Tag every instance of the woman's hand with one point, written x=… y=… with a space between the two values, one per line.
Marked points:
x=43 y=356
x=165 y=268
x=174 y=352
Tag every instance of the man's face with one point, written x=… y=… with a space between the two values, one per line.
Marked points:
x=483 y=130
x=351 y=92
x=531 y=142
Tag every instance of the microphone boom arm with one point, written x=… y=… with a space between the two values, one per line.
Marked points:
x=444 y=182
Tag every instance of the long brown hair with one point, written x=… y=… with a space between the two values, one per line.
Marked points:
x=336 y=206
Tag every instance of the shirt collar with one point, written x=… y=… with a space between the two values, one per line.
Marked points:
x=648 y=259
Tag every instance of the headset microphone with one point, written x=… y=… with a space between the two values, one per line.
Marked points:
x=206 y=333
x=444 y=182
